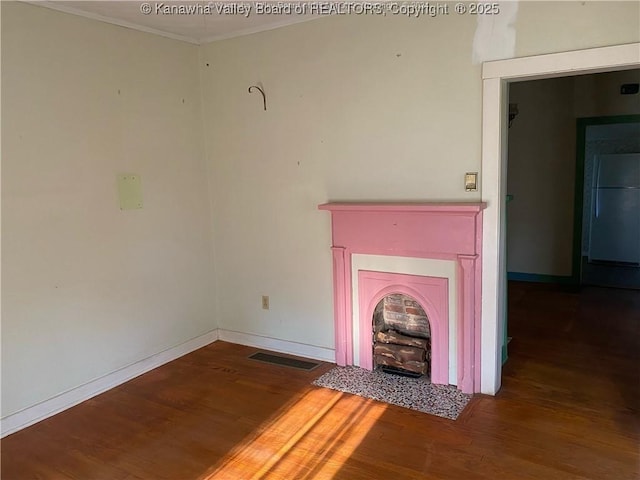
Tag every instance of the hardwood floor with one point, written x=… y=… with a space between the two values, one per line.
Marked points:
x=568 y=409
x=606 y=275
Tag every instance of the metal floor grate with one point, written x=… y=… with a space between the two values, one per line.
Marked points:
x=284 y=361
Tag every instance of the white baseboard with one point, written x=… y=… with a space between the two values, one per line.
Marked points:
x=22 y=419
x=47 y=408
x=276 y=345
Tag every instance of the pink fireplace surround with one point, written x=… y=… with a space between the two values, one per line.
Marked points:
x=444 y=231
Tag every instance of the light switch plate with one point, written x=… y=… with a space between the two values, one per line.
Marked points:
x=471 y=182
x=129 y=191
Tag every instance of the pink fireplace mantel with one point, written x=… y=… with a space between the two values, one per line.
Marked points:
x=445 y=231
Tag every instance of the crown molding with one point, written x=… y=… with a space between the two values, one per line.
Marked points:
x=114 y=21
x=52 y=5
x=258 y=29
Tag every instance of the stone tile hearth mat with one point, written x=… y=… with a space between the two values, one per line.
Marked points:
x=414 y=393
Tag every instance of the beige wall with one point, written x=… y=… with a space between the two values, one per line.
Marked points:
x=541 y=167
x=599 y=95
x=87 y=288
x=562 y=26
x=541 y=172
x=360 y=108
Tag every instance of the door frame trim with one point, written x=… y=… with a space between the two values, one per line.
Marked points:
x=496 y=76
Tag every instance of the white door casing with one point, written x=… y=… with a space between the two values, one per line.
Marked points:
x=496 y=76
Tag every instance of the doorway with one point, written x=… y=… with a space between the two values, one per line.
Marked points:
x=496 y=78
x=559 y=231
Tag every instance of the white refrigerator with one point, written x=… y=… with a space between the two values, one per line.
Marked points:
x=615 y=212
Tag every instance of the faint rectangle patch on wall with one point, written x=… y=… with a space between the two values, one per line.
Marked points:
x=495 y=36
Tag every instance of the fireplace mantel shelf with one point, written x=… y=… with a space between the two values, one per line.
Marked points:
x=462 y=207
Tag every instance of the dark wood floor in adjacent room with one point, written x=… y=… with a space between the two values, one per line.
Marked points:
x=568 y=409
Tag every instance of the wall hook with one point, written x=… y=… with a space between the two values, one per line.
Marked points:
x=264 y=97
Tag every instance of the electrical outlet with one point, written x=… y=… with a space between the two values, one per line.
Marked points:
x=265 y=302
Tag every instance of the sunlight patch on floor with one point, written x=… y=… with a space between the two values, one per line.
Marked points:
x=312 y=438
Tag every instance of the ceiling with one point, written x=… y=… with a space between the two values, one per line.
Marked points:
x=206 y=22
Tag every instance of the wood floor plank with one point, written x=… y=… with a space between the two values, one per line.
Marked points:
x=569 y=408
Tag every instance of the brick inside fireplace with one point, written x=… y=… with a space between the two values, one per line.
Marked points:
x=430 y=293
x=401 y=336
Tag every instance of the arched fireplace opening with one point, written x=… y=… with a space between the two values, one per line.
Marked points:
x=401 y=336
